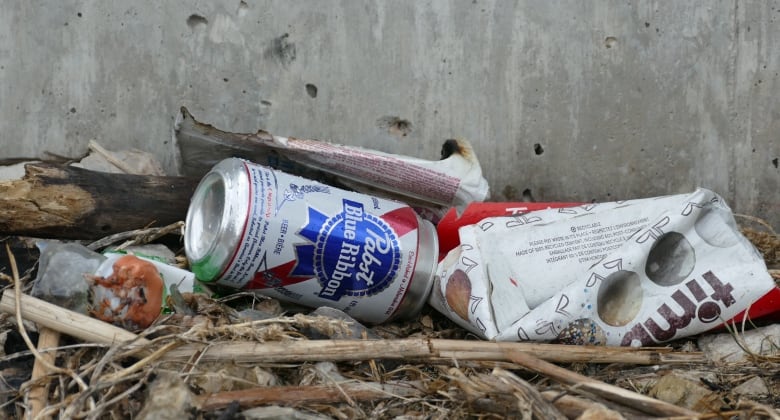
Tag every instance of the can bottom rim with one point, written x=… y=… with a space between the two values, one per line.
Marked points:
x=421 y=283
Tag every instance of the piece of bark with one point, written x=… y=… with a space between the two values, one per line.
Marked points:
x=528 y=397
x=67 y=202
x=310 y=394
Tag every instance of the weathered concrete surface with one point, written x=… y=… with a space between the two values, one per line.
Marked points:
x=563 y=100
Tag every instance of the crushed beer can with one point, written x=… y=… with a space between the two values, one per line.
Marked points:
x=254 y=228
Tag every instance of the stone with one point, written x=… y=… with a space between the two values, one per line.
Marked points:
x=723 y=348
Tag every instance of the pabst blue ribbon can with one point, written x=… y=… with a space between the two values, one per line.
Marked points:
x=254 y=228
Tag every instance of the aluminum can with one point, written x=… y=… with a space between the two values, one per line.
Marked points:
x=254 y=228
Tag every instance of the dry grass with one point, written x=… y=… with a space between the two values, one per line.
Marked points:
x=99 y=380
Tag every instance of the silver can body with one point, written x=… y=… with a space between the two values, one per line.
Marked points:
x=254 y=228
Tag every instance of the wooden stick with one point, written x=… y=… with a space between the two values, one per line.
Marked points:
x=324 y=394
x=68 y=322
x=423 y=349
x=39 y=392
x=610 y=392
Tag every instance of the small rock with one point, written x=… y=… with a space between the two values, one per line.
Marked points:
x=583 y=332
x=724 y=348
x=356 y=329
x=213 y=377
x=697 y=375
x=265 y=308
x=600 y=413
x=685 y=393
x=3 y=337
x=321 y=373
x=427 y=322
x=754 y=387
x=265 y=377
x=168 y=398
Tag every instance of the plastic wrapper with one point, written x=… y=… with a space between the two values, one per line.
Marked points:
x=61 y=274
x=74 y=277
x=184 y=280
x=636 y=272
x=131 y=290
x=129 y=295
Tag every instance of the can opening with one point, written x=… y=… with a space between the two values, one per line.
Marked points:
x=204 y=221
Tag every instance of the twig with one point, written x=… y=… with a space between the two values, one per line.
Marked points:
x=192 y=362
x=95 y=414
x=610 y=392
x=140 y=235
x=540 y=407
x=502 y=392
x=70 y=411
x=48 y=411
x=141 y=363
x=111 y=355
x=26 y=353
x=739 y=339
x=325 y=375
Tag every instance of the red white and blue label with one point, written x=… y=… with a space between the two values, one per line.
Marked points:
x=352 y=253
x=317 y=245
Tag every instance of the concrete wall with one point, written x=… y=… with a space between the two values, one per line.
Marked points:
x=563 y=100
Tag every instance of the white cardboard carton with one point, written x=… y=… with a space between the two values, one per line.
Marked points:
x=636 y=272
